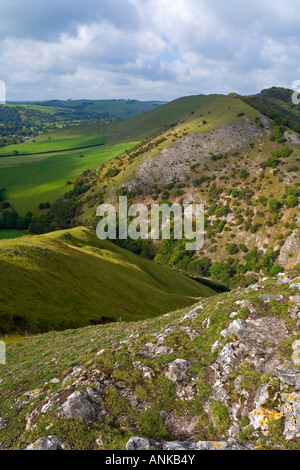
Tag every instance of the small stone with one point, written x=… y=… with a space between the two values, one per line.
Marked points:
x=268 y=298
x=215 y=346
x=54 y=381
x=100 y=441
x=175 y=445
x=178 y=370
x=139 y=443
x=296 y=353
x=233 y=314
x=47 y=443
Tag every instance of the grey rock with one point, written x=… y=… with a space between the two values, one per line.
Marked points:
x=154 y=350
x=34 y=393
x=296 y=353
x=100 y=441
x=178 y=370
x=268 y=298
x=75 y=372
x=215 y=346
x=47 y=443
x=290 y=247
x=288 y=376
x=291 y=412
x=190 y=316
x=176 y=445
x=2 y=424
x=264 y=329
x=147 y=372
x=87 y=405
x=54 y=381
x=237 y=326
x=231 y=444
x=140 y=443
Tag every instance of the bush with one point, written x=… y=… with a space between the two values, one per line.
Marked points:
x=244 y=174
x=232 y=248
x=222 y=272
x=274 y=205
x=291 y=201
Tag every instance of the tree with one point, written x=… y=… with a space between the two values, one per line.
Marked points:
x=291 y=200
x=274 y=205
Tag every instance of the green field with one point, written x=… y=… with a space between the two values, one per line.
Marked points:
x=48 y=144
x=71 y=278
x=44 y=179
x=7 y=234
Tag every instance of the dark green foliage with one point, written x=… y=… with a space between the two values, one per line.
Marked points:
x=274 y=205
x=232 y=248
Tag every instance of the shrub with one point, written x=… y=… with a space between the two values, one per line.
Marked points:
x=291 y=200
x=274 y=205
x=232 y=248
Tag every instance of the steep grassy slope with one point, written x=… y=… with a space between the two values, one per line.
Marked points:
x=156 y=121
x=227 y=370
x=71 y=279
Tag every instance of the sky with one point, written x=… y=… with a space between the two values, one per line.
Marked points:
x=146 y=49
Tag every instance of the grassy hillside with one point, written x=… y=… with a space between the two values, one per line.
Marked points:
x=71 y=279
x=227 y=367
x=158 y=120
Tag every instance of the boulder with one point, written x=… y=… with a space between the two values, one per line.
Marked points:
x=140 y=443
x=47 y=443
x=87 y=405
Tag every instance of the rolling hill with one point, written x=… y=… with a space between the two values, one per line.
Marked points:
x=70 y=279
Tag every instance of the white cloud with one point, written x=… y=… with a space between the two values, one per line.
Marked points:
x=147 y=49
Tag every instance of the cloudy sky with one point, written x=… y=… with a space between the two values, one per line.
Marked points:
x=146 y=49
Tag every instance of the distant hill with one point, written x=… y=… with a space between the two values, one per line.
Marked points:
x=276 y=103
x=100 y=109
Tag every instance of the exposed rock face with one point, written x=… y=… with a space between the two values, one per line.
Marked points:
x=290 y=252
x=174 y=163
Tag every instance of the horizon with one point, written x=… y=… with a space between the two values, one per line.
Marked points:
x=29 y=101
